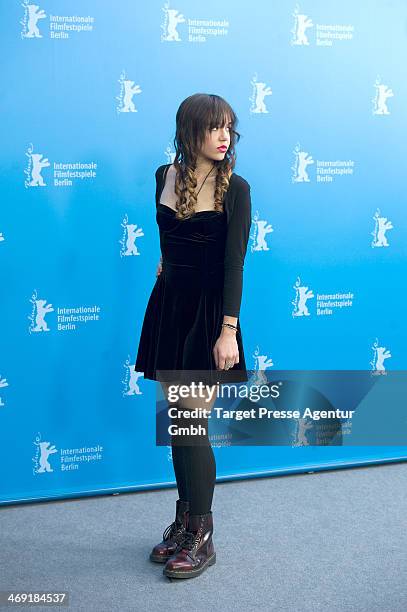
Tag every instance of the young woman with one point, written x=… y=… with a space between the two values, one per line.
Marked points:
x=191 y=329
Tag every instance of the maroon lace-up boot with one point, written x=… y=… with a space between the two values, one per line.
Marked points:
x=195 y=552
x=173 y=534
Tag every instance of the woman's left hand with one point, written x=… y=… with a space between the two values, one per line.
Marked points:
x=226 y=349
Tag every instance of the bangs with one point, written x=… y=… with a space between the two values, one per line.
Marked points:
x=220 y=115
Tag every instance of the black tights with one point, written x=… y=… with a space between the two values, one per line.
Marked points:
x=194 y=465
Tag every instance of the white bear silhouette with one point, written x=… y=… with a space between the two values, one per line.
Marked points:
x=302 y=427
x=263 y=228
x=129 y=90
x=383 y=93
x=383 y=225
x=42 y=310
x=3 y=383
x=261 y=91
x=39 y=162
x=381 y=354
x=304 y=160
x=303 y=23
x=46 y=451
x=133 y=389
x=261 y=364
x=33 y=16
x=174 y=18
x=305 y=294
x=132 y=234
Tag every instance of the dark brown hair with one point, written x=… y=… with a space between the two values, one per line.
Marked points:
x=195 y=116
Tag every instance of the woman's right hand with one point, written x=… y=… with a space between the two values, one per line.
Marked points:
x=159 y=267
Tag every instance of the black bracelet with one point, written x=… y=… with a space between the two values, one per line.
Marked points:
x=230 y=325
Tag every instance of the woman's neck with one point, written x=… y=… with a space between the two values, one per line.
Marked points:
x=203 y=166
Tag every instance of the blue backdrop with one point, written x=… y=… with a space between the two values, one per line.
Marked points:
x=89 y=96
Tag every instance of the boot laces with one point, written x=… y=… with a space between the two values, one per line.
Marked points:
x=174 y=531
x=190 y=539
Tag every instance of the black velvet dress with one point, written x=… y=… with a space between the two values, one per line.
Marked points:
x=185 y=310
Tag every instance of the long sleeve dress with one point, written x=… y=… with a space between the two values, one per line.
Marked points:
x=201 y=281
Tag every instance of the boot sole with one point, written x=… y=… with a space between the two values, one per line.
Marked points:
x=159 y=559
x=190 y=573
